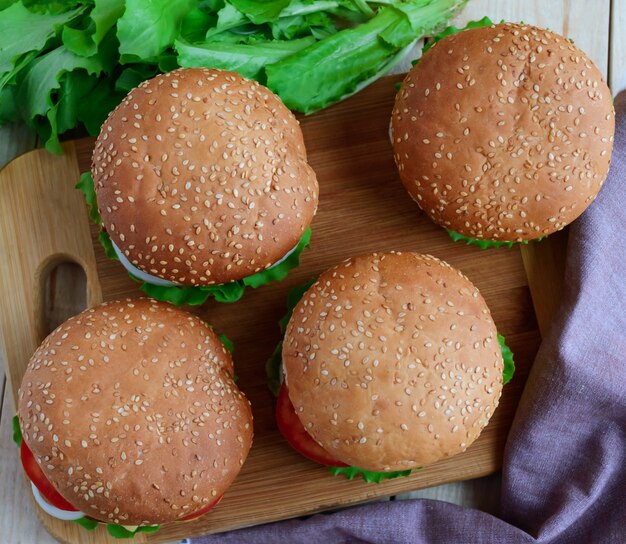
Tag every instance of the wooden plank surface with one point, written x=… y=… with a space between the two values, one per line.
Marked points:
x=617 y=53
x=584 y=21
x=39 y=229
x=570 y=17
x=18 y=519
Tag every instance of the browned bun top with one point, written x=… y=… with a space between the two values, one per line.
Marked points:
x=392 y=361
x=202 y=177
x=131 y=410
x=504 y=132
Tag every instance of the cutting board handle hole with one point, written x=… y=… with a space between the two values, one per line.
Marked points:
x=63 y=292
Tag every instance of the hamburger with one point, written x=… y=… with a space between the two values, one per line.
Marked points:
x=390 y=362
x=201 y=183
x=503 y=133
x=128 y=415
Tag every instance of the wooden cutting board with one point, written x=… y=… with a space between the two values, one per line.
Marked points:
x=363 y=208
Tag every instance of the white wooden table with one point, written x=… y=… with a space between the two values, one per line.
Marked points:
x=597 y=26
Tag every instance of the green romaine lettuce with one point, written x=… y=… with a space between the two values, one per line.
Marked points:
x=310 y=19
x=228 y=18
x=247 y=59
x=449 y=31
x=43 y=77
x=40 y=80
x=482 y=244
x=17 y=431
x=368 y=476
x=263 y=11
x=65 y=64
x=16 y=23
x=273 y=365
x=486 y=244
x=228 y=343
x=195 y=25
x=86 y=186
x=102 y=100
x=193 y=296
x=133 y=75
x=105 y=15
x=118 y=531
x=342 y=61
x=87 y=523
x=273 y=369
x=76 y=86
x=8 y=106
x=147 y=28
x=509 y=364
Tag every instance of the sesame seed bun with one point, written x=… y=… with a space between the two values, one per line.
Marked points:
x=132 y=412
x=202 y=178
x=504 y=132
x=392 y=361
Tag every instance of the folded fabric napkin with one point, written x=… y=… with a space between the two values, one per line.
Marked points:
x=564 y=473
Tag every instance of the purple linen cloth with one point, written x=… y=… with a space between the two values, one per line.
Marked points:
x=564 y=474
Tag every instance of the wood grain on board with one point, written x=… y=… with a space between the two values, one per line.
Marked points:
x=570 y=17
x=617 y=52
x=18 y=519
x=584 y=21
x=363 y=208
x=39 y=228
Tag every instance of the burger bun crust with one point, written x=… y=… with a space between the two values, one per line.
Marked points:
x=132 y=413
x=392 y=361
x=503 y=132
x=202 y=178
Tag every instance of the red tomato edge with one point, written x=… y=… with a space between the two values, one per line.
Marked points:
x=38 y=478
x=52 y=496
x=288 y=422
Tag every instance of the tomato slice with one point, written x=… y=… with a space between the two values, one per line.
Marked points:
x=36 y=475
x=291 y=428
x=203 y=511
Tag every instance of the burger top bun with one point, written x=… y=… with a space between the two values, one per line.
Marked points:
x=392 y=361
x=504 y=132
x=202 y=178
x=131 y=410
